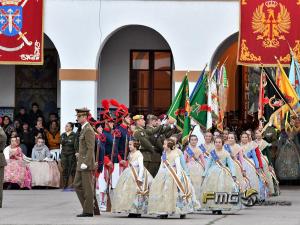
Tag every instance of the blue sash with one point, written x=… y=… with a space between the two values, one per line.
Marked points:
x=228 y=148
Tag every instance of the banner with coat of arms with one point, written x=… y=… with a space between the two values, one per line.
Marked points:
x=268 y=28
x=21 y=32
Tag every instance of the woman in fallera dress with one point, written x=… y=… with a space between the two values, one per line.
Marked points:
x=44 y=170
x=236 y=153
x=170 y=192
x=196 y=164
x=17 y=171
x=219 y=176
x=132 y=190
x=264 y=147
x=287 y=164
x=208 y=144
x=251 y=166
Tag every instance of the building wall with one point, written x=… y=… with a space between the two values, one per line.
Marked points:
x=115 y=60
x=7 y=86
x=193 y=29
x=80 y=30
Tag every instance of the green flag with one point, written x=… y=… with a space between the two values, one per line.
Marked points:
x=198 y=103
x=179 y=109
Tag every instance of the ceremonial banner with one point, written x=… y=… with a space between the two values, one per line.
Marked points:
x=21 y=32
x=267 y=28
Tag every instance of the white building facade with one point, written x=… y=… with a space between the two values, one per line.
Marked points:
x=94 y=39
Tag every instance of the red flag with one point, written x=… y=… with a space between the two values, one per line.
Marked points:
x=21 y=32
x=266 y=28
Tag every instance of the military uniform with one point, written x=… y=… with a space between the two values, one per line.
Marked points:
x=68 y=159
x=3 y=139
x=147 y=148
x=83 y=182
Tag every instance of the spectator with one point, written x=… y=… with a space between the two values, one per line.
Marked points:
x=7 y=127
x=53 y=136
x=34 y=113
x=17 y=126
x=16 y=171
x=52 y=117
x=42 y=165
x=39 y=128
x=27 y=138
x=22 y=116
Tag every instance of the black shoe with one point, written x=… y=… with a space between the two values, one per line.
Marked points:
x=85 y=215
x=214 y=212
x=133 y=215
x=219 y=212
x=163 y=216
x=182 y=216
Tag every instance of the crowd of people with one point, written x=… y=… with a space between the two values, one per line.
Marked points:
x=141 y=164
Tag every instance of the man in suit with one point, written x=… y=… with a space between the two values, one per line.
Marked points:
x=3 y=139
x=83 y=182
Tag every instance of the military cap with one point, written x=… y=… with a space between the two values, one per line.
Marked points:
x=82 y=112
x=151 y=117
x=138 y=117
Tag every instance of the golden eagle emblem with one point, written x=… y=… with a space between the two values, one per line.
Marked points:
x=269 y=27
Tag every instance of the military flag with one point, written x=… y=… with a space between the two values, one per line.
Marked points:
x=266 y=26
x=199 y=106
x=287 y=90
x=21 y=39
x=180 y=109
x=271 y=99
x=223 y=95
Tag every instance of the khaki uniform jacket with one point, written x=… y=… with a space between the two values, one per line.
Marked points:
x=3 y=140
x=86 y=148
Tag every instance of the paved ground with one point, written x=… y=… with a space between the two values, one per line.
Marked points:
x=56 y=207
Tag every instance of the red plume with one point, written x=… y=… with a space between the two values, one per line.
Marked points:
x=114 y=102
x=105 y=104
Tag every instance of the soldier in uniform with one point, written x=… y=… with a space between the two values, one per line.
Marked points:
x=148 y=148
x=3 y=139
x=83 y=182
x=123 y=121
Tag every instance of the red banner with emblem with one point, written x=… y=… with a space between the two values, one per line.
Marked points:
x=267 y=29
x=21 y=32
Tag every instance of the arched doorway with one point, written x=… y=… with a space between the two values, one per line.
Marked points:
x=136 y=67
x=39 y=83
x=23 y=85
x=243 y=86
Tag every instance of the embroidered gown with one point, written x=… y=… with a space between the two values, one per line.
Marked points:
x=196 y=165
x=287 y=164
x=250 y=165
x=17 y=171
x=165 y=197
x=128 y=197
x=44 y=173
x=272 y=185
x=237 y=156
x=206 y=149
x=218 y=180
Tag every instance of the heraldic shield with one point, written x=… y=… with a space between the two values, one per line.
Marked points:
x=10 y=20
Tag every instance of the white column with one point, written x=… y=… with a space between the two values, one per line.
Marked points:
x=77 y=94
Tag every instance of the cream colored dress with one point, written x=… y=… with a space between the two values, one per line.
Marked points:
x=238 y=159
x=262 y=144
x=128 y=196
x=196 y=169
x=218 y=180
x=165 y=197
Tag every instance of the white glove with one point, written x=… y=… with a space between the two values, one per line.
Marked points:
x=83 y=166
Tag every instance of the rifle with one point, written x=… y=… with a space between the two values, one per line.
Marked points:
x=108 y=201
x=126 y=148
x=96 y=206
